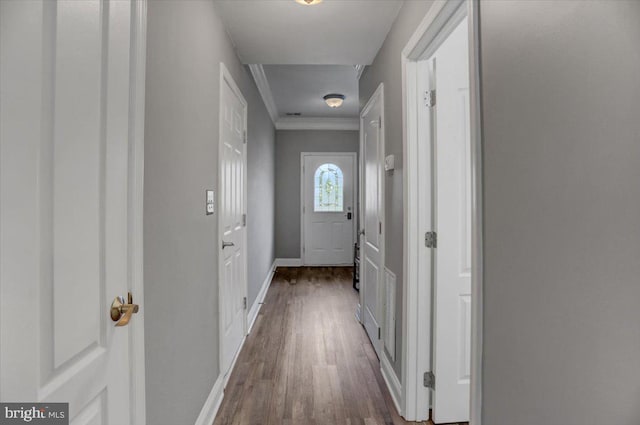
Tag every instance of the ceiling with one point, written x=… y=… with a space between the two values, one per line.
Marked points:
x=297 y=54
x=300 y=88
x=334 y=32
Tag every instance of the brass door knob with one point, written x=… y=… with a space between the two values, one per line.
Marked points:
x=121 y=312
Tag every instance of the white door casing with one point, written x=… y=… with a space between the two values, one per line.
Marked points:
x=72 y=113
x=232 y=201
x=449 y=70
x=372 y=218
x=327 y=236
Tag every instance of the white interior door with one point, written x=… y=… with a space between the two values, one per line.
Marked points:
x=232 y=230
x=452 y=292
x=372 y=241
x=70 y=205
x=328 y=209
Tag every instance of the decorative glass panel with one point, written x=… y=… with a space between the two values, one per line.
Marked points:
x=328 y=189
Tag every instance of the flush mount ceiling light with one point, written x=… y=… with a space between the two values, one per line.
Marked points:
x=334 y=100
x=309 y=2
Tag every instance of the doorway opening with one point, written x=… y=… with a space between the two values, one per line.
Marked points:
x=442 y=233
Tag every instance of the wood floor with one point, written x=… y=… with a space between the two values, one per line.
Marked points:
x=307 y=360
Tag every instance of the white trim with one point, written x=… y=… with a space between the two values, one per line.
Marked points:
x=359 y=70
x=136 y=200
x=257 y=303
x=354 y=195
x=416 y=350
x=227 y=376
x=212 y=404
x=264 y=88
x=225 y=75
x=288 y=262
x=477 y=273
x=393 y=384
x=317 y=123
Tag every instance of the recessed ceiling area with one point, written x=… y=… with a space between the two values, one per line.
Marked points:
x=347 y=32
x=300 y=88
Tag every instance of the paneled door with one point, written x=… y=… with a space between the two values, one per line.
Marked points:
x=372 y=236
x=452 y=277
x=232 y=220
x=72 y=82
x=328 y=208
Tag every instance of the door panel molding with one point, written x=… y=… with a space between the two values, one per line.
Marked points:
x=233 y=213
x=373 y=253
x=52 y=200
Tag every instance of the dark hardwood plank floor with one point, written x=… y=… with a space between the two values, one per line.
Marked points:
x=307 y=360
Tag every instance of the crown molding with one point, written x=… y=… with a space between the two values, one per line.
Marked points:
x=265 y=91
x=359 y=70
x=317 y=123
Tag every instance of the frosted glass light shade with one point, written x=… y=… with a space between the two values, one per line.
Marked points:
x=309 y=2
x=334 y=100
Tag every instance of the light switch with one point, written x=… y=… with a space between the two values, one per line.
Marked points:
x=210 y=202
x=389 y=162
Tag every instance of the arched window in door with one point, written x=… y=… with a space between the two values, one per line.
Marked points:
x=328 y=189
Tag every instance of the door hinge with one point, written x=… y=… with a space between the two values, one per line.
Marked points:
x=429 y=380
x=304 y=209
x=379 y=333
x=431 y=240
x=379 y=122
x=245 y=137
x=244 y=302
x=244 y=220
x=380 y=227
x=430 y=98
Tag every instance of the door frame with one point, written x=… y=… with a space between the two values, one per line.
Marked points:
x=416 y=349
x=354 y=195
x=227 y=78
x=136 y=202
x=378 y=95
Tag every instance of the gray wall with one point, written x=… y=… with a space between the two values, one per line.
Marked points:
x=289 y=145
x=186 y=42
x=561 y=126
x=386 y=69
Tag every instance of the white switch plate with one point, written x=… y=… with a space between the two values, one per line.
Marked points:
x=210 y=202
x=390 y=162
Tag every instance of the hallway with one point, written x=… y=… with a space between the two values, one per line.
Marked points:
x=307 y=360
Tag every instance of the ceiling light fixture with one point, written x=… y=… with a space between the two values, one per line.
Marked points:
x=309 y=2
x=334 y=100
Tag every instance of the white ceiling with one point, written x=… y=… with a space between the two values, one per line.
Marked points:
x=347 y=32
x=300 y=88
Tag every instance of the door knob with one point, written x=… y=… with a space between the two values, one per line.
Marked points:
x=226 y=244
x=121 y=312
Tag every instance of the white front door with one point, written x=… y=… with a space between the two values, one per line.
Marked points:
x=372 y=241
x=232 y=219
x=452 y=277
x=328 y=209
x=71 y=82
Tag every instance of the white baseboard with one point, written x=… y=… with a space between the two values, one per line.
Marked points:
x=257 y=304
x=392 y=381
x=288 y=262
x=212 y=404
